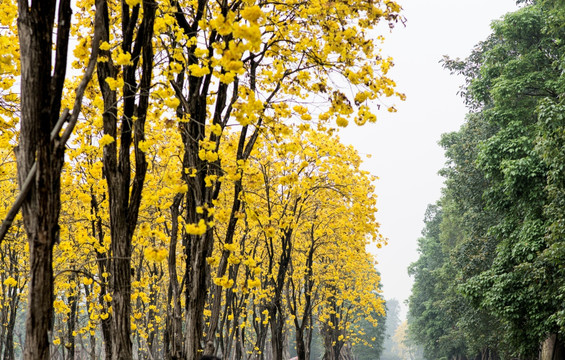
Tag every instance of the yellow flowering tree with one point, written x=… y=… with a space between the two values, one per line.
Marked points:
x=199 y=108
x=124 y=73
x=340 y=224
x=244 y=64
x=350 y=286
x=307 y=201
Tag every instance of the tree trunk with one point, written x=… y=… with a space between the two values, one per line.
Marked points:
x=308 y=342
x=238 y=344
x=276 y=311
x=120 y=271
x=201 y=247
x=552 y=348
x=332 y=346
x=123 y=202
x=13 y=311
x=261 y=331
x=71 y=323
x=102 y=264
x=40 y=106
x=300 y=344
x=303 y=336
x=93 y=347
x=173 y=331
x=277 y=338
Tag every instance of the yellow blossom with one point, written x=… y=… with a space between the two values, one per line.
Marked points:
x=143 y=146
x=132 y=3
x=252 y=13
x=124 y=59
x=113 y=83
x=231 y=247
x=105 y=140
x=172 y=102
x=212 y=261
x=10 y=281
x=198 y=71
x=341 y=121
x=104 y=46
x=196 y=229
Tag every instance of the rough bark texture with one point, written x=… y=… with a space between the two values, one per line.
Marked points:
x=40 y=106
x=199 y=247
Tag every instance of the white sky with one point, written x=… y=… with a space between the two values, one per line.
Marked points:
x=405 y=154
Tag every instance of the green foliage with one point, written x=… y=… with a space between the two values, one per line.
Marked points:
x=490 y=273
x=432 y=310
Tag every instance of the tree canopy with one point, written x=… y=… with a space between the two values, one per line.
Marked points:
x=489 y=274
x=196 y=198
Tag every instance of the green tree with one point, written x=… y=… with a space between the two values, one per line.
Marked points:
x=551 y=147
x=432 y=312
x=498 y=242
x=517 y=72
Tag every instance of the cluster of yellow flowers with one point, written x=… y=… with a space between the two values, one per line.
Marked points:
x=262 y=68
x=155 y=254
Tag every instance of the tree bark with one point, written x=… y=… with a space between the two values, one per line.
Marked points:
x=40 y=152
x=302 y=323
x=331 y=333
x=199 y=247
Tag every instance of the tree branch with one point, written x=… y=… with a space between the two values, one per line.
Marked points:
x=72 y=119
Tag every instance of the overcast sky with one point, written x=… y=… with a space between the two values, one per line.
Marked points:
x=405 y=154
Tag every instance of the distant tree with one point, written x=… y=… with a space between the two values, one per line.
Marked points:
x=391 y=324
